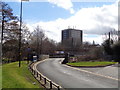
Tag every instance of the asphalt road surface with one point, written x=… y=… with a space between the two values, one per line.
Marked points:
x=71 y=78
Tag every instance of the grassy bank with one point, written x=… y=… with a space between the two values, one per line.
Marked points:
x=15 y=77
x=0 y=77
x=102 y=63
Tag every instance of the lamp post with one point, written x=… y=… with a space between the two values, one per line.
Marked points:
x=1 y=43
x=19 y=50
x=3 y=17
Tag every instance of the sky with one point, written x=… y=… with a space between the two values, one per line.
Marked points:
x=94 y=17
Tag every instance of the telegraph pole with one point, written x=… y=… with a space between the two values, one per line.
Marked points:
x=109 y=36
x=118 y=35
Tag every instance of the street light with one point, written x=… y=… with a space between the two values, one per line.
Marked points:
x=19 y=57
x=1 y=43
x=3 y=17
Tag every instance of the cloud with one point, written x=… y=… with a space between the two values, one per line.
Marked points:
x=91 y=37
x=67 y=4
x=96 y=20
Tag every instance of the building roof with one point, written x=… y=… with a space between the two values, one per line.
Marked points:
x=72 y=29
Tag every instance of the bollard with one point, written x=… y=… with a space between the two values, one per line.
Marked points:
x=44 y=80
x=50 y=85
x=37 y=74
x=40 y=77
x=34 y=72
x=58 y=87
x=30 y=68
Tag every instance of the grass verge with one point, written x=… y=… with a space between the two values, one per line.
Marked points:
x=102 y=63
x=0 y=77
x=15 y=77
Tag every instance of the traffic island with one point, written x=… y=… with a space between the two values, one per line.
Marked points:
x=91 y=64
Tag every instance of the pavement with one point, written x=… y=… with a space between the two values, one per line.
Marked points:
x=71 y=77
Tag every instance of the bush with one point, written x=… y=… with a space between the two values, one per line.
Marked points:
x=107 y=47
x=116 y=51
x=96 y=52
x=88 y=58
x=6 y=60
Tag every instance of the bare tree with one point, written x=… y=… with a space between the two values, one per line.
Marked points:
x=49 y=46
x=37 y=38
x=25 y=33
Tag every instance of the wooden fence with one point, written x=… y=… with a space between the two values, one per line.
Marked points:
x=43 y=80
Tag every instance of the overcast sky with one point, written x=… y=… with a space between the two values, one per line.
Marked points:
x=94 y=18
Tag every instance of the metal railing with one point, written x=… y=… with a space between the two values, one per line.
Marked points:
x=43 y=80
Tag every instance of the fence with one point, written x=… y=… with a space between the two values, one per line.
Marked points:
x=42 y=80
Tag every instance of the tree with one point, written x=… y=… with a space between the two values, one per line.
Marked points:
x=8 y=20
x=49 y=46
x=107 y=47
x=41 y=43
x=25 y=34
x=116 y=51
x=10 y=49
x=7 y=17
x=37 y=38
x=10 y=33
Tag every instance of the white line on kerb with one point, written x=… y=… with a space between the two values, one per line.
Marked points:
x=34 y=67
x=93 y=73
x=109 y=77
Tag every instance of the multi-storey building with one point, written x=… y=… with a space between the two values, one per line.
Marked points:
x=72 y=37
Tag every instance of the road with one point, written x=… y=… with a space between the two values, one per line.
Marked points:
x=72 y=78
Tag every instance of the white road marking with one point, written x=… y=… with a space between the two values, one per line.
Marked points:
x=34 y=67
x=74 y=69
x=92 y=73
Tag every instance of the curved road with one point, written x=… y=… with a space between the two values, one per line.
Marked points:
x=70 y=78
